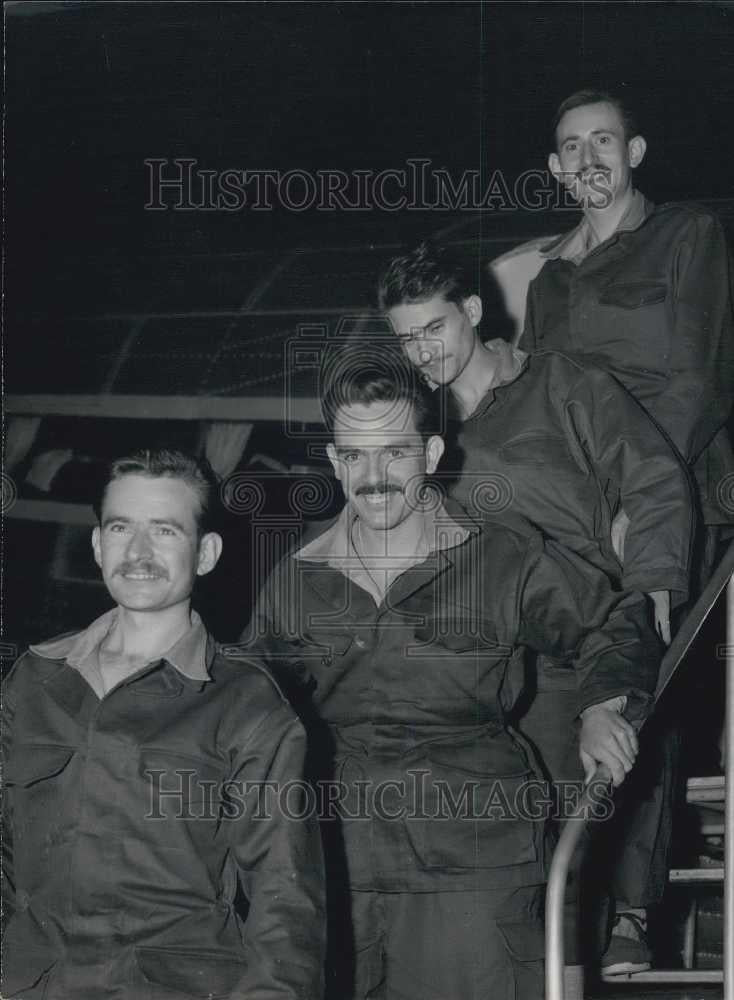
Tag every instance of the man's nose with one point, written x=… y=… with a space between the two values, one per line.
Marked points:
x=140 y=545
x=415 y=349
x=376 y=468
x=587 y=154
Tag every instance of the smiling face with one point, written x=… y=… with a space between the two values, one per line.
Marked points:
x=147 y=543
x=594 y=159
x=439 y=337
x=382 y=460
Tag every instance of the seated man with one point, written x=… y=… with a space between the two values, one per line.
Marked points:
x=128 y=747
x=399 y=630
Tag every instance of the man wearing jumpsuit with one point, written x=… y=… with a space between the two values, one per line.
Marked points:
x=126 y=826
x=399 y=630
x=644 y=292
x=556 y=441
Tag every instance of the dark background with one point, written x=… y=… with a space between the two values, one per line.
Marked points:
x=95 y=89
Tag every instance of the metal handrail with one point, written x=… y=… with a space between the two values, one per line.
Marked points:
x=575 y=825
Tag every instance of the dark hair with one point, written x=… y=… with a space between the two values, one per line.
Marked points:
x=426 y=271
x=582 y=97
x=195 y=472
x=376 y=372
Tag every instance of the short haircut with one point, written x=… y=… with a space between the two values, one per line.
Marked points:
x=164 y=462
x=377 y=372
x=426 y=271
x=583 y=97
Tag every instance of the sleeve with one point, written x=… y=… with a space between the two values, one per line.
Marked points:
x=568 y=610
x=7 y=893
x=276 y=847
x=698 y=396
x=631 y=455
x=529 y=337
x=273 y=634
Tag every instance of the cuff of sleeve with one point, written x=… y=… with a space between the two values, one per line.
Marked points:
x=618 y=704
x=672 y=579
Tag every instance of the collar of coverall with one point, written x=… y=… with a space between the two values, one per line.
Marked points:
x=574 y=246
x=191 y=655
x=334 y=546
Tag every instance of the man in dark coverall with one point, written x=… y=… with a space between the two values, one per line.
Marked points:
x=557 y=441
x=127 y=823
x=399 y=630
x=644 y=292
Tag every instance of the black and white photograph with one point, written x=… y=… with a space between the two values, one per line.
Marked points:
x=367 y=595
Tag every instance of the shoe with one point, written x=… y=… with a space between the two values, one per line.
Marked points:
x=627 y=953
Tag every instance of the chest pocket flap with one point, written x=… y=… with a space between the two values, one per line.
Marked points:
x=458 y=633
x=34 y=762
x=633 y=294
x=536 y=449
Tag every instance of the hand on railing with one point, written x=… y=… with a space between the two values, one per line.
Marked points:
x=607 y=738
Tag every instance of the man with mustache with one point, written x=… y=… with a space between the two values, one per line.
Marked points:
x=644 y=292
x=399 y=631
x=134 y=754
x=562 y=443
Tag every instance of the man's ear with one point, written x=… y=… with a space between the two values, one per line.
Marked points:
x=473 y=309
x=434 y=451
x=96 y=545
x=210 y=549
x=636 y=148
x=554 y=165
x=336 y=464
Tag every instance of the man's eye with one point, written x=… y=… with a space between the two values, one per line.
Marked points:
x=396 y=453
x=603 y=140
x=350 y=457
x=165 y=530
x=116 y=528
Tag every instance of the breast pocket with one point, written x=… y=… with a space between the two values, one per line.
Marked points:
x=536 y=450
x=460 y=631
x=631 y=326
x=633 y=294
x=326 y=646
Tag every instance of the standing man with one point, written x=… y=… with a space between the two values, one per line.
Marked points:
x=561 y=443
x=399 y=629
x=131 y=750
x=642 y=291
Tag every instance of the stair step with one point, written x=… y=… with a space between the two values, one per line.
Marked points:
x=697 y=874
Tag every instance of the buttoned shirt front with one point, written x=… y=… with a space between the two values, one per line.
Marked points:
x=127 y=829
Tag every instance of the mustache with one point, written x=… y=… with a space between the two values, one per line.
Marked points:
x=597 y=169
x=145 y=566
x=378 y=488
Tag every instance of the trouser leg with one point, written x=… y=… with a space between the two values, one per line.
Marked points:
x=464 y=945
x=637 y=841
